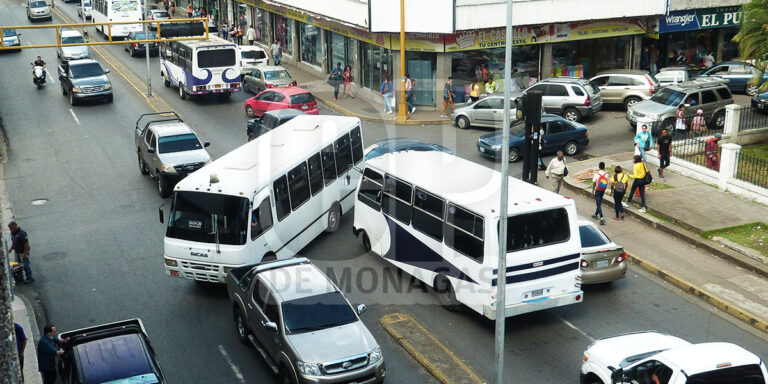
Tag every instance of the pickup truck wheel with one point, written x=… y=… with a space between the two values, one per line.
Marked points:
x=142 y=165
x=285 y=375
x=719 y=120
x=162 y=186
x=110 y=98
x=445 y=293
x=240 y=327
x=72 y=100
x=182 y=94
x=249 y=111
x=334 y=218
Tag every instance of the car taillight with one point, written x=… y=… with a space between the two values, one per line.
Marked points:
x=584 y=263
x=293 y=83
x=588 y=102
x=135 y=45
x=234 y=85
x=268 y=85
x=621 y=257
x=651 y=90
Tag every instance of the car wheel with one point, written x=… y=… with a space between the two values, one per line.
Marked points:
x=445 y=293
x=462 y=122
x=285 y=375
x=132 y=52
x=249 y=111
x=162 y=186
x=110 y=98
x=182 y=94
x=142 y=165
x=334 y=218
x=240 y=327
x=719 y=120
x=72 y=100
x=514 y=155
x=571 y=148
x=571 y=114
x=630 y=101
x=751 y=90
x=366 y=242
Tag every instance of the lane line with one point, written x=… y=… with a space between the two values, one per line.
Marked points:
x=575 y=328
x=74 y=116
x=232 y=365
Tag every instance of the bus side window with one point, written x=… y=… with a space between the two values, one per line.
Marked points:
x=464 y=232
x=175 y=53
x=298 y=185
x=261 y=219
x=428 y=213
x=343 y=154
x=329 y=164
x=357 y=145
x=315 y=173
x=282 y=201
x=187 y=58
x=370 y=189
x=396 y=201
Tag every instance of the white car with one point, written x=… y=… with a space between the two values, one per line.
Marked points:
x=84 y=10
x=251 y=57
x=645 y=357
x=76 y=52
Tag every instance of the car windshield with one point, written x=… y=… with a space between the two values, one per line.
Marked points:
x=592 y=237
x=275 y=75
x=77 y=39
x=9 y=32
x=86 y=70
x=141 y=36
x=38 y=4
x=178 y=143
x=255 y=55
x=206 y=217
x=668 y=97
x=317 y=312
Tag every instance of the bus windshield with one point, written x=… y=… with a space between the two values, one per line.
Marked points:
x=215 y=58
x=208 y=217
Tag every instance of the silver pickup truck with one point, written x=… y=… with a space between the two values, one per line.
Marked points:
x=302 y=325
x=168 y=149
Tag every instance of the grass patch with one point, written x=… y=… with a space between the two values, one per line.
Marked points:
x=658 y=186
x=752 y=235
x=760 y=151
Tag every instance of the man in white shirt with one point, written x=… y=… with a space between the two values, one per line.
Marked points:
x=556 y=169
x=250 y=35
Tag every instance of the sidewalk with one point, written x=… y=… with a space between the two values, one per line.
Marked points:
x=26 y=319
x=667 y=242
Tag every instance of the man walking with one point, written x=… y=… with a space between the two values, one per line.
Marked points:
x=20 y=245
x=276 y=53
x=653 y=56
x=664 y=148
x=448 y=96
x=710 y=151
x=599 y=185
x=21 y=345
x=250 y=35
x=47 y=349
x=557 y=170
x=644 y=141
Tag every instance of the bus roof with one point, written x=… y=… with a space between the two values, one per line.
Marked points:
x=465 y=183
x=211 y=41
x=252 y=166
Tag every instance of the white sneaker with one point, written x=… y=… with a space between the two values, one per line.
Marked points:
x=641 y=210
x=389 y=112
x=442 y=115
x=413 y=109
x=625 y=205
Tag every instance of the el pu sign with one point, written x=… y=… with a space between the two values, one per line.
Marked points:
x=700 y=19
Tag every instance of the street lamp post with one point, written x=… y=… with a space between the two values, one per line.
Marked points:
x=146 y=49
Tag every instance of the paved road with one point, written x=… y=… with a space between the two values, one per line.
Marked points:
x=97 y=245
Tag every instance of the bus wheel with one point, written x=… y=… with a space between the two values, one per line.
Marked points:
x=166 y=82
x=445 y=293
x=366 y=242
x=334 y=218
x=182 y=94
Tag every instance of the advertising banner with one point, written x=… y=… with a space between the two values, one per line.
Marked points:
x=700 y=19
x=421 y=42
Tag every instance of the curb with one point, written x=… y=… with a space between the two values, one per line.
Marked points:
x=691 y=289
x=347 y=112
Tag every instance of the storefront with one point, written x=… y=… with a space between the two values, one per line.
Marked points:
x=261 y=17
x=311 y=44
x=375 y=65
x=340 y=49
x=685 y=37
x=586 y=58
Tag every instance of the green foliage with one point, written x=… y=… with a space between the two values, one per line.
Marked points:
x=752 y=235
x=753 y=37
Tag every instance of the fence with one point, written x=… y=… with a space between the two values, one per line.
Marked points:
x=692 y=148
x=753 y=118
x=751 y=169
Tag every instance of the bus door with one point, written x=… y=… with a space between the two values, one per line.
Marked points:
x=262 y=232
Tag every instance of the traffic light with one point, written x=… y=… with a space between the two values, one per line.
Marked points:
x=519 y=108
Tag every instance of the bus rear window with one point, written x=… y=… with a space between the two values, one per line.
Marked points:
x=537 y=229
x=215 y=58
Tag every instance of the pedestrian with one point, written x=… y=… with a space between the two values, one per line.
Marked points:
x=409 y=93
x=166 y=5
x=710 y=151
x=653 y=56
x=474 y=93
x=557 y=170
x=680 y=126
x=698 y=124
x=638 y=183
x=645 y=59
x=643 y=141
x=387 y=90
x=664 y=148
x=709 y=60
x=239 y=35
x=490 y=86
x=224 y=31
x=47 y=349
x=599 y=185
x=21 y=345
x=485 y=72
x=250 y=35
x=189 y=10
x=619 y=187
x=336 y=74
x=20 y=245
x=276 y=52
x=347 y=77
x=448 y=96
x=173 y=9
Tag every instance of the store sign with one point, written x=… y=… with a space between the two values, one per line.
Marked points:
x=496 y=38
x=420 y=42
x=700 y=19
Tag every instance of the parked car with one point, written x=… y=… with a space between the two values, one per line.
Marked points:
x=84 y=10
x=709 y=95
x=70 y=36
x=251 y=57
x=760 y=101
x=11 y=38
x=265 y=77
x=602 y=260
x=168 y=149
x=673 y=75
x=559 y=134
x=738 y=74
x=397 y=144
x=38 y=10
x=157 y=14
x=281 y=98
x=140 y=48
x=302 y=324
x=487 y=112
x=572 y=97
x=636 y=357
x=269 y=121
x=625 y=86
x=85 y=80
x=117 y=352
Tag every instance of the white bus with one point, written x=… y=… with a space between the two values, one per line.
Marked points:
x=266 y=199
x=201 y=67
x=105 y=11
x=438 y=222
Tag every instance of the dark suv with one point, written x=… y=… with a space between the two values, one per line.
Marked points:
x=269 y=121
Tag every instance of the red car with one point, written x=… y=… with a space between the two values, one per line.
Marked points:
x=281 y=98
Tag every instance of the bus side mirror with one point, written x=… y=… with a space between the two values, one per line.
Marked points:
x=160 y=215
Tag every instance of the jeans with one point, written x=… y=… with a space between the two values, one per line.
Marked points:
x=637 y=184
x=277 y=59
x=653 y=67
x=409 y=99
x=617 y=199
x=663 y=161
x=336 y=90
x=642 y=153
x=27 y=267
x=388 y=102
x=599 y=202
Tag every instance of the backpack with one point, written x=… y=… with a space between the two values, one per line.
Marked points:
x=602 y=182
x=620 y=186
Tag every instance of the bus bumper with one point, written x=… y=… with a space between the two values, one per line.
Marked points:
x=536 y=304
x=196 y=270
x=214 y=91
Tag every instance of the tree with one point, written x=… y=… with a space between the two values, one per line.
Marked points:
x=753 y=38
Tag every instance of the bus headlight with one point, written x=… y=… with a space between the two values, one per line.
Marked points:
x=171 y=263
x=169 y=169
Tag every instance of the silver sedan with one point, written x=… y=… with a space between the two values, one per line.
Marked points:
x=267 y=76
x=487 y=112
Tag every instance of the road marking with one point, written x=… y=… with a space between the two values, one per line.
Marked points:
x=575 y=328
x=232 y=365
x=74 y=116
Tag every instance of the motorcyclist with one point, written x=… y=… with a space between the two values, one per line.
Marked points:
x=40 y=63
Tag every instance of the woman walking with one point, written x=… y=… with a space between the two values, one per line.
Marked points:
x=640 y=169
x=680 y=122
x=386 y=90
x=474 y=94
x=347 y=76
x=619 y=188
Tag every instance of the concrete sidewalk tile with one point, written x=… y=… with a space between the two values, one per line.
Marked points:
x=21 y=315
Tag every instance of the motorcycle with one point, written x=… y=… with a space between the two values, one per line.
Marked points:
x=38 y=75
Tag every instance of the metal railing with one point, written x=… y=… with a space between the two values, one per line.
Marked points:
x=751 y=169
x=753 y=118
x=692 y=148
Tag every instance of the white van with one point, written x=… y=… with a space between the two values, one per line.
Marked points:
x=251 y=56
x=84 y=10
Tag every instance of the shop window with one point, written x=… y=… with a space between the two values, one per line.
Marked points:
x=283 y=32
x=465 y=65
x=339 y=50
x=375 y=64
x=261 y=26
x=585 y=58
x=422 y=66
x=311 y=45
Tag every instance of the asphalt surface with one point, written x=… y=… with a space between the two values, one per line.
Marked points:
x=97 y=243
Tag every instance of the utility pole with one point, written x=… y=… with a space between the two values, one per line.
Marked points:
x=146 y=48
x=402 y=107
x=9 y=360
x=501 y=276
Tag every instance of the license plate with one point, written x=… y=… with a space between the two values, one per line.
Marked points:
x=304 y=106
x=482 y=149
x=603 y=263
x=218 y=85
x=537 y=292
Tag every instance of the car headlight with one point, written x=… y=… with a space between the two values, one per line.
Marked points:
x=108 y=86
x=76 y=89
x=375 y=355
x=496 y=147
x=169 y=169
x=309 y=369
